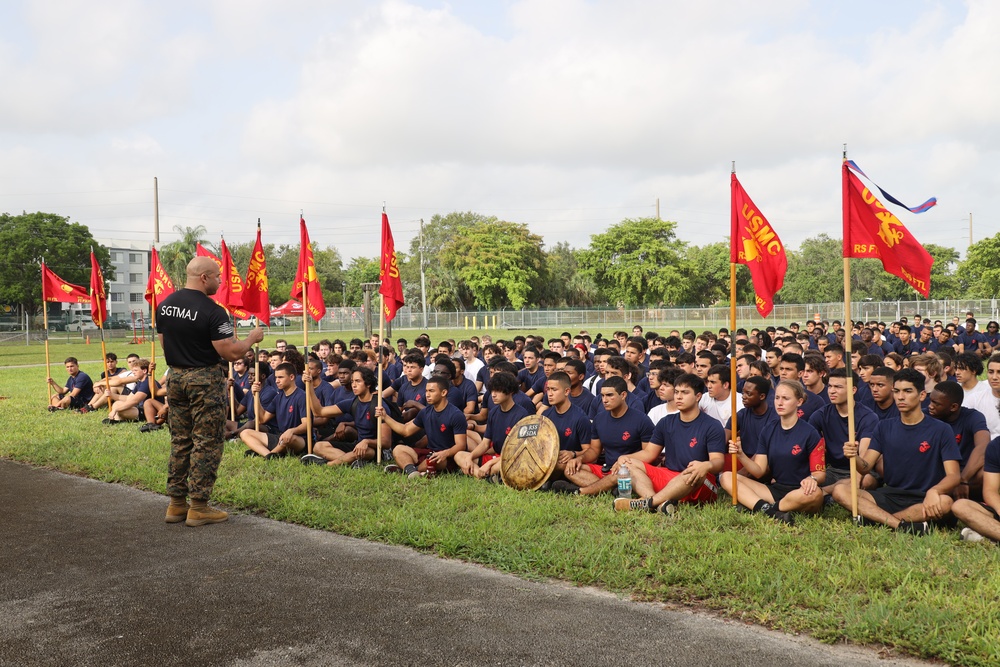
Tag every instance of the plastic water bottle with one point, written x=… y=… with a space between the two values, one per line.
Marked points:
x=624 y=482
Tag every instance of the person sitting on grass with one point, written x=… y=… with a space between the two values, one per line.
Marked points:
x=444 y=425
x=831 y=423
x=786 y=473
x=120 y=380
x=920 y=465
x=138 y=404
x=408 y=389
x=693 y=446
x=362 y=408
x=618 y=430
x=982 y=520
x=77 y=391
x=755 y=416
x=502 y=387
x=288 y=410
x=971 y=435
x=572 y=424
x=245 y=410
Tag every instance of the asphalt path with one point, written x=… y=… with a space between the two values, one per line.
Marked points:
x=91 y=575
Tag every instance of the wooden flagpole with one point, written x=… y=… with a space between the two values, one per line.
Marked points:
x=256 y=378
x=232 y=389
x=381 y=335
x=45 y=322
x=732 y=362
x=305 y=345
x=107 y=375
x=848 y=344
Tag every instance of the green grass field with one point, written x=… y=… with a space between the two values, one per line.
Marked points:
x=933 y=597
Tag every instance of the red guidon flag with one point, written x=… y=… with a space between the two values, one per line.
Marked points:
x=753 y=242
x=159 y=286
x=57 y=290
x=392 y=287
x=306 y=279
x=98 y=296
x=231 y=276
x=255 y=298
x=872 y=231
x=224 y=293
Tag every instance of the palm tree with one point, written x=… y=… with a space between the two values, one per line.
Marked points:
x=176 y=255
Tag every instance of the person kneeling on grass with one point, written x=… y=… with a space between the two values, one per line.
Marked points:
x=920 y=462
x=618 y=431
x=502 y=417
x=790 y=463
x=982 y=520
x=288 y=409
x=693 y=445
x=444 y=424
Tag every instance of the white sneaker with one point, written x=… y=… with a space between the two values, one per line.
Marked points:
x=970 y=535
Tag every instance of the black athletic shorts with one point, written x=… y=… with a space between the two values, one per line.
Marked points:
x=894 y=500
x=779 y=491
x=996 y=516
x=834 y=475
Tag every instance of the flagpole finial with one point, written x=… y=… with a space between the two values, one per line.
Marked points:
x=258 y=224
x=734 y=166
x=845 y=150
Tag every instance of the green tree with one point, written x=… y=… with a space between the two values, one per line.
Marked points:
x=445 y=290
x=815 y=272
x=709 y=279
x=361 y=270
x=638 y=262
x=498 y=262
x=979 y=274
x=175 y=255
x=27 y=239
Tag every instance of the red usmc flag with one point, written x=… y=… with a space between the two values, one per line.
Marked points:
x=306 y=279
x=55 y=289
x=392 y=286
x=753 y=242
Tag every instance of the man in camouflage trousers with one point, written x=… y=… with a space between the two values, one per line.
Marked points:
x=197 y=336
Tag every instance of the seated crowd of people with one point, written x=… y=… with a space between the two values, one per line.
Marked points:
x=926 y=429
x=130 y=394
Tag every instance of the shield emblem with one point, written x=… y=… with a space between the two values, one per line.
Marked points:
x=529 y=453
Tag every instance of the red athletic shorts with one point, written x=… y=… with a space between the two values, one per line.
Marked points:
x=486 y=458
x=660 y=477
x=596 y=469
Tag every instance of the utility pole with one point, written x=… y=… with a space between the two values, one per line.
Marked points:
x=970 y=229
x=658 y=208
x=156 y=213
x=423 y=277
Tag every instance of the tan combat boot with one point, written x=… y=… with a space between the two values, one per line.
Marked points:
x=200 y=514
x=177 y=510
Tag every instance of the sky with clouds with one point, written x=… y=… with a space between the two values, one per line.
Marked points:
x=567 y=115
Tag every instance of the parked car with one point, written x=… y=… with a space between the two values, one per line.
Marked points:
x=280 y=322
x=248 y=323
x=80 y=325
x=138 y=325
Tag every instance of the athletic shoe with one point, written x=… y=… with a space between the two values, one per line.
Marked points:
x=783 y=517
x=85 y=409
x=626 y=504
x=416 y=474
x=313 y=459
x=108 y=421
x=919 y=528
x=147 y=428
x=970 y=535
x=865 y=522
x=743 y=509
x=562 y=486
x=250 y=453
x=668 y=509
x=358 y=464
x=53 y=408
x=828 y=500
x=387 y=456
x=392 y=468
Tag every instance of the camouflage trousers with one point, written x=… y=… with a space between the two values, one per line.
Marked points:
x=197 y=419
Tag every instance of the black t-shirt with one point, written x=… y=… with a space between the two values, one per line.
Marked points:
x=189 y=322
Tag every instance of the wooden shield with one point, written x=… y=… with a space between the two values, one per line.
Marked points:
x=529 y=453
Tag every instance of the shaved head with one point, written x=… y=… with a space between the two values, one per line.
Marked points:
x=203 y=275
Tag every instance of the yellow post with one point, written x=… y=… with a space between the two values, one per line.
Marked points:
x=467 y=322
x=732 y=370
x=381 y=336
x=305 y=340
x=473 y=322
x=850 y=384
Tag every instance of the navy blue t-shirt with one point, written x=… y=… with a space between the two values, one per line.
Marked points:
x=794 y=453
x=888 y=413
x=749 y=426
x=324 y=392
x=574 y=427
x=441 y=427
x=811 y=404
x=833 y=428
x=364 y=416
x=405 y=391
x=684 y=442
x=623 y=435
x=528 y=379
x=288 y=411
x=520 y=398
x=499 y=424
x=82 y=382
x=992 y=463
x=965 y=427
x=460 y=396
x=914 y=455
